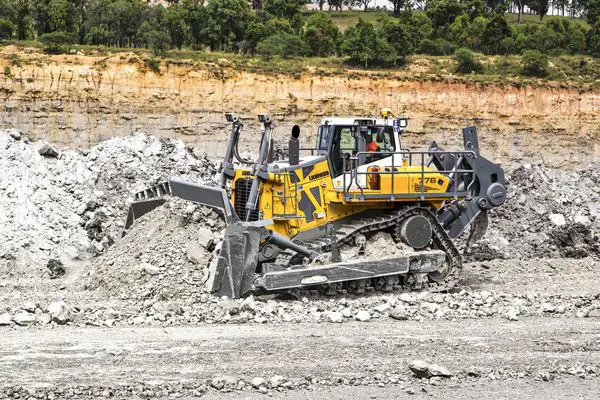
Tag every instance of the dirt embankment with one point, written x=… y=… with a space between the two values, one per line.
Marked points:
x=79 y=100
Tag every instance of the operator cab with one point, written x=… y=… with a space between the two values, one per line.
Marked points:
x=371 y=141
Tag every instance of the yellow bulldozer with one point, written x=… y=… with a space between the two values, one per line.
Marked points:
x=288 y=218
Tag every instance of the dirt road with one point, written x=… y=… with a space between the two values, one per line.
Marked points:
x=333 y=360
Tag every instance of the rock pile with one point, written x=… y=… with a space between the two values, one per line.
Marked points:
x=163 y=257
x=68 y=204
x=31 y=313
x=549 y=213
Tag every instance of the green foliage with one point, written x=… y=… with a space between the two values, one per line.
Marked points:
x=158 y=41
x=364 y=45
x=176 y=25
x=398 y=38
x=534 y=63
x=418 y=26
x=376 y=38
x=153 y=64
x=7 y=29
x=227 y=23
x=591 y=10
x=321 y=37
x=56 y=42
x=466 y=62
x=593 y=39
x=540 y=7
x=282 y=44
x=286 y=9
x=442 y=13
x=437 y=47
x=494 y=33
x=256 y=33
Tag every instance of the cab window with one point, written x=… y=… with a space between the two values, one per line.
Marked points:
x=343 y=142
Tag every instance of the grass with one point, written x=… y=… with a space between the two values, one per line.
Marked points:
x=347 y=18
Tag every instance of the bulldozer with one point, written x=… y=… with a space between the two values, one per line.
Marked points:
x=288 y=216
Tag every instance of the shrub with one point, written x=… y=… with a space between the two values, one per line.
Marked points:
x=153 y=64
x=158 y=41
x=56 y=42
x=7 y=29
x=534 y=63
x=493 y=34
x=283 y=45
x=466 y=62
x=438 y=47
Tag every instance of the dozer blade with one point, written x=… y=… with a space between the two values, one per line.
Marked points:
x=232 y=272
x=149 y=199
x=205 y=195
x=142 y=207
x=419 y=262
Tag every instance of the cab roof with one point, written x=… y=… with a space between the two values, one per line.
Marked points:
x=357 y=121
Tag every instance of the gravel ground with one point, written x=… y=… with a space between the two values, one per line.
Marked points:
x=172 y=362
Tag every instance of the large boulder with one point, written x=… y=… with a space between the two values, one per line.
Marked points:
x=59 y=312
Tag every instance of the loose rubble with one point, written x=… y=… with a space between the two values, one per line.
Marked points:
x=69 y=205
x=549 y=213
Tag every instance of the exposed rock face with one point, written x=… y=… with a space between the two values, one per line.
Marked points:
x=79 y=100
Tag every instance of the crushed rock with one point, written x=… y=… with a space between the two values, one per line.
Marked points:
x=152 y=262
x=549 y=213
x=71 y=204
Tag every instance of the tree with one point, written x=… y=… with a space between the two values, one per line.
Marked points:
x=540 y=7
x=520 y=6
x=466 y=62
x=364 y=3
x=495 y=31
x=287 y=9
x=56 y=41
x=398 y=38
x=256 y=33
x=397 y=6
x=593 y=39
x=476 y=29
x=158 y=40
x=363 y=45
x=418 y=26
x=534 y=63
x=591 y=10
x=321 y=36
x=59 y=13
x=442 y=13
x=7 y=29
x=176 y=26
x=8 y=10
x=23 y=19
x=283 y=44
x=227 y=22
x=195 y=16
x=335 y=4
x=458 y=32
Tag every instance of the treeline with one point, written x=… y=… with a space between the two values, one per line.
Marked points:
x=284 y=28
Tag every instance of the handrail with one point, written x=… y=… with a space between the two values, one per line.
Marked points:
x=459 y=156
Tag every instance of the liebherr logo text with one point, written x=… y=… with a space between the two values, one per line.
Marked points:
x=319 y=175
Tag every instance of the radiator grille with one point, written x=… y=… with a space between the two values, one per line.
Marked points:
x=241 y=193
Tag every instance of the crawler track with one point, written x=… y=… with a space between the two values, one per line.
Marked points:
x=346 y=235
